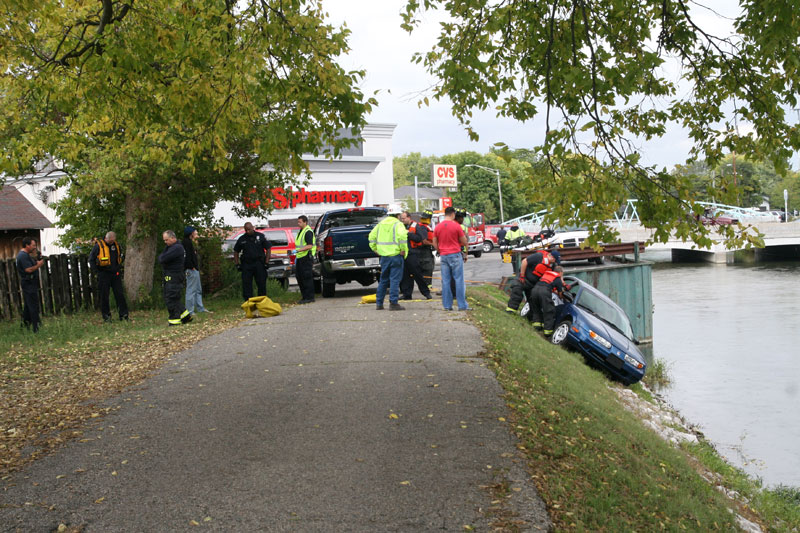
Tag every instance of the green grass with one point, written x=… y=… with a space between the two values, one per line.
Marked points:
x=779 y=506
x=86 y=329
x=596 y=465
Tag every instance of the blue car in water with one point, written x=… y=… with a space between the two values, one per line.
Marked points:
x=591 y=323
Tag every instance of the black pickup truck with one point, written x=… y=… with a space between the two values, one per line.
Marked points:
x=343 y=252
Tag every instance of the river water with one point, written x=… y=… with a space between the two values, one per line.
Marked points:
x=731 y=337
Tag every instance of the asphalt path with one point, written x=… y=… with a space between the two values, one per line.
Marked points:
x=330 y=417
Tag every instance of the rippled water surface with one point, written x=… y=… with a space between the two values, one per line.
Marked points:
x=731 y=334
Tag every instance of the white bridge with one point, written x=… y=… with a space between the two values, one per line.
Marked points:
x=780 y=239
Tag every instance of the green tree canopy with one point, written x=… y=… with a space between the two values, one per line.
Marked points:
x=161 y=108
x=599 y=74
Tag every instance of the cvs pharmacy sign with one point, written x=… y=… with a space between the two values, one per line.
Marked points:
x=281 y=198
x=444 y=176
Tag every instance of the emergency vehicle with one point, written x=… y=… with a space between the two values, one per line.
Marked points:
x=475 y=230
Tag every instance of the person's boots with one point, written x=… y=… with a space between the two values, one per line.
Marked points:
x=396 y=307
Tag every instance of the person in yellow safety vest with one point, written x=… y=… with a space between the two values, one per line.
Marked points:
x=106 y=260
x=543 y=309
x=305 y=246
x=389 y=239
x=514 y=233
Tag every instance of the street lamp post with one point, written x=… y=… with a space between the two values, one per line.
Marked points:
x=499 y=191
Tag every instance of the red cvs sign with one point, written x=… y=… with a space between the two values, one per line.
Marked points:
x=444 y=176
x=289 y=198
x=445 y=202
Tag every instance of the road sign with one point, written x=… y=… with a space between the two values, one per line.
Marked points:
x=444 y=176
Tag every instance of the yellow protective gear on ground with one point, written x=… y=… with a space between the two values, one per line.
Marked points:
x=261 y=305
x=369 y=299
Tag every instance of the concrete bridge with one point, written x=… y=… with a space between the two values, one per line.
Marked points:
x=781 y=241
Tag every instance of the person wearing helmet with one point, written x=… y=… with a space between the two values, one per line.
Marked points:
x=426 y=260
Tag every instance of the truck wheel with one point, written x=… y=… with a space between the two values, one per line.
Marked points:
x=328 y=290
x=487 y=246
x=477 y=254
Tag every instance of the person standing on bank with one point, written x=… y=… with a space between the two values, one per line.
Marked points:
x=448 y=239
x=106 y=260
x=172 y=259
x=191 y=265
x=28 y=269
x=305 y=247
x=412 y=271
x=256 y=251
x=389 y=239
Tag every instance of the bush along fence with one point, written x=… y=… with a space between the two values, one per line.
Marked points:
x=66 y=285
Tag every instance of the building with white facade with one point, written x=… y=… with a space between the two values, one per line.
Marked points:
x=361 y=177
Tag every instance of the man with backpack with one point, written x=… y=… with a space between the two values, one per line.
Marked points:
x=105 y=260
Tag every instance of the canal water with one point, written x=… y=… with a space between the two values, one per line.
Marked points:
x=731 y=337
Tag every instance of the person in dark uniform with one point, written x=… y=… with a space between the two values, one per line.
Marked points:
x=532 y=268
x=412 y=271
x=255 y=250
x=106 y=260
x=305 y=247
x=543 y=309
x=29 y=261
x=171 y=260
x=426 y=261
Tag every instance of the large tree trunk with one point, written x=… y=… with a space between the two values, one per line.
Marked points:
x=141 y=253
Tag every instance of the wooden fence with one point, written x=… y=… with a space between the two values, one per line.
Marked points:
x=66 y=285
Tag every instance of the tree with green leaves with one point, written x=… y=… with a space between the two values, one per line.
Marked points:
x=600 y=75
x=157 y=110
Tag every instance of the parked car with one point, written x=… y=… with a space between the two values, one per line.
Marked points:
x=281 y=264
x=591 y=323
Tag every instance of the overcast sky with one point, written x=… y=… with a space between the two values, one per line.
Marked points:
x=384 y=50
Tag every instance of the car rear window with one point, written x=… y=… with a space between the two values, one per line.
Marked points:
x=353 y=218
x=276 y=237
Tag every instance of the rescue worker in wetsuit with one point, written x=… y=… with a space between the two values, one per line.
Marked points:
x=256 y=251
x=412 y=271
x=426 y=260
x=531 y=270
x=106 y=260
x=172 y=260
x=543 y=309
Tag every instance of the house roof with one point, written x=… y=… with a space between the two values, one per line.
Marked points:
x=16 y=212
x=425 y=193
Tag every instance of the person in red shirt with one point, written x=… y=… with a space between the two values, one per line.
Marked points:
x=448 y=238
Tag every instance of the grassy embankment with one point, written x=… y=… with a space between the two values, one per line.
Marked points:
x=596 y=465
x=51 y=382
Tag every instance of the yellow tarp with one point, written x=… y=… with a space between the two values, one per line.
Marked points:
x=368 y=299
x=261 y=306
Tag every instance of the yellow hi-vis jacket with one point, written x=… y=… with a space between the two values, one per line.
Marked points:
x=513 y=235
x=300 y=241
x=389 y=237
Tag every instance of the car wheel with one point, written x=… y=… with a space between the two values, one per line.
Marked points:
x=525 y=308
x=487 y=246
x=559 y=337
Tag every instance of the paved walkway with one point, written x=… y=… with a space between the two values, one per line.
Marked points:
x=330 y=417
